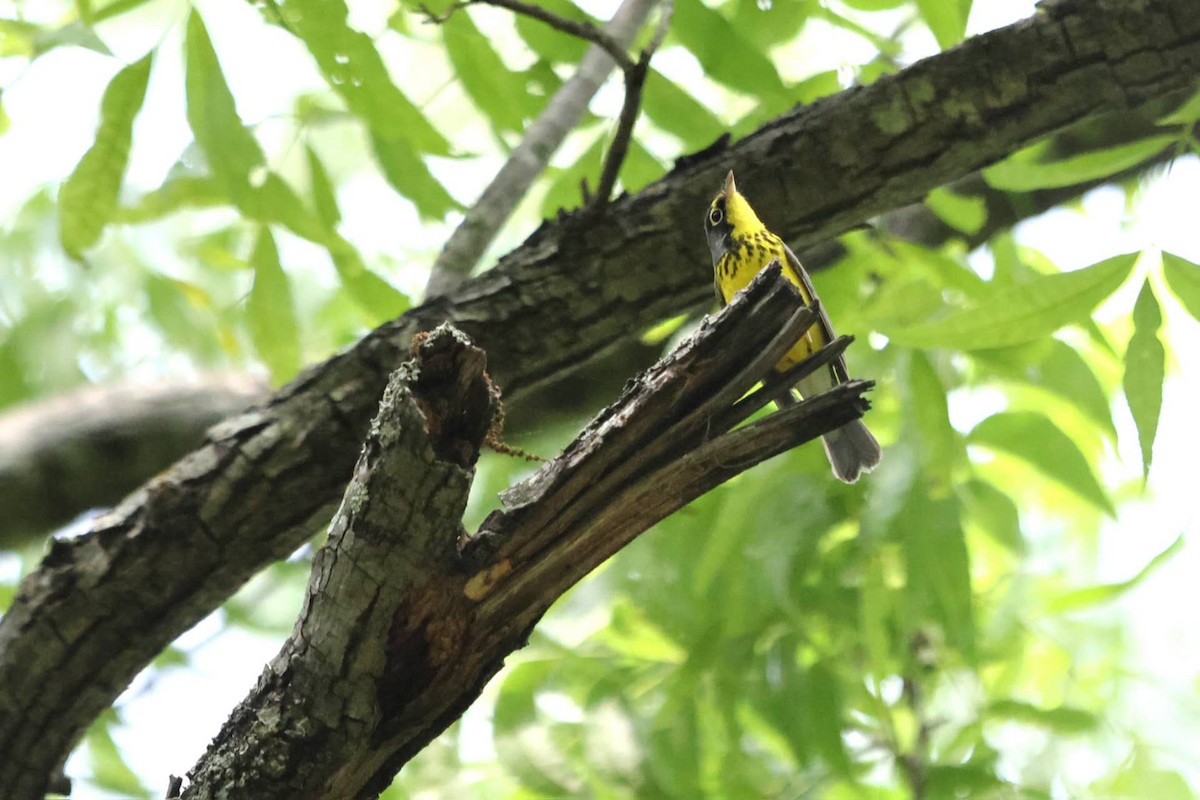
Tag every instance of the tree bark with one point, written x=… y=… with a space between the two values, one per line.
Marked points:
x=405 y=622
x=80 y=445
x=88 y=448
x=102 y=605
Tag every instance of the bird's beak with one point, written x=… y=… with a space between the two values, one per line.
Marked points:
x=730 y=186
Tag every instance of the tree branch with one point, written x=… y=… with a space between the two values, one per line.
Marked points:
x=579 y=391
x=635 y=80
x=400 y=630
x=483 y=220
x=322 y=702
x=582 y=30
x=89 y=447
x=101 y=606
x=67 y=488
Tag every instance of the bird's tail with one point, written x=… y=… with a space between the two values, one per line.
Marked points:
x=852 y=450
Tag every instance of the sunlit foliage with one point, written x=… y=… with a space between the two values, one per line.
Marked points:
x=937 y=630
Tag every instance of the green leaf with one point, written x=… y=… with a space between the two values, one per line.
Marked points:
x=677 y=722
x=824 y=709
x=233 y=154
x=816 y=86
x=232 y=151
x=961 y=212
x=1183 y=277
x=941 y=446
x=548 y=43
x=673 y=109
x=5 y=122
x=378 y=298
x=89 y=197
x=1187 y=113
x=727 y=57
x=493 y=87
x=632 y=635
x=1065 y=373
x=1058 y=368
x=115 y=9
x=73 y=34
x=275 y=201
x=324 y=195
x=1016 y=313
x=995 y=512
x=349 y=61
x=270 y=313
x=874 y=5
x=718 y=552
x=182 y=311
x=943 y=270
x=875 y=608
x=218 y=250
x=16 y=37
x=533 y=761
x=1025 y=170
x=903 y=301
x=408 y=174
x=938 y=568
x=176 y=657
x=1036 y=440
x=1063 y=720
x=1145 y=366
x=1096 y=595
x=109 y=770
x=184 y=191
x=768 y=24
x=640 y=168
x=963 y=780
x=1140 y=778
x=565 y=191
x=947 y=19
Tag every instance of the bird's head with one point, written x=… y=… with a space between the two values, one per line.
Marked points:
x=729 y=217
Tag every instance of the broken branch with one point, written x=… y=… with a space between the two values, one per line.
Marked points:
x=402 y=627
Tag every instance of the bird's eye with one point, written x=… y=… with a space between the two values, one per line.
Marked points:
x=715 y=216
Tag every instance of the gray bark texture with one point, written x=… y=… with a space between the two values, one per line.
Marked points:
x=101 y=606
x=405 y=620
x=88 y=448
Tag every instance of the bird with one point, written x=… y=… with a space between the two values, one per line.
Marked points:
x=741 y=246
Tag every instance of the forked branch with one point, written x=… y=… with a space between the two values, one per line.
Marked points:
x=405 y=620
x=634 y=72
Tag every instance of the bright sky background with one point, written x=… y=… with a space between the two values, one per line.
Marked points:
x=53 y=108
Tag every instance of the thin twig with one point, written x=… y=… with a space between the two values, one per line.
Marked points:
x=635 y=80
x=488 y=214
x=582 y=30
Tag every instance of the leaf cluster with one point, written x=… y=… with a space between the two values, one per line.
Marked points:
x=935 y=631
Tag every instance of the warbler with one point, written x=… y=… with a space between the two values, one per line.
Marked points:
x=741 y=245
